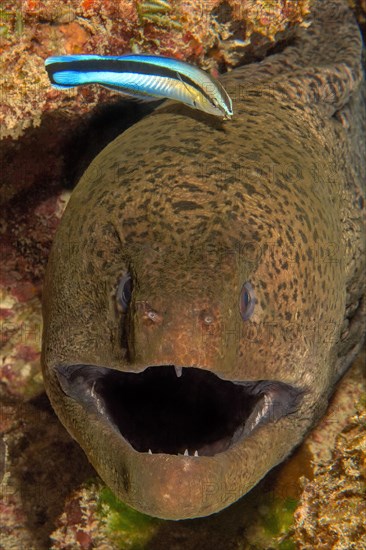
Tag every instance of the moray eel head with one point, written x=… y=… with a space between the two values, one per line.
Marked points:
x=173 y=357
x=205 y=288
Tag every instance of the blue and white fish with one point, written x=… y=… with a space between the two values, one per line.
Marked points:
x=143 y=77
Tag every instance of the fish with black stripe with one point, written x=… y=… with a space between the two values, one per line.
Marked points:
x=144 y=77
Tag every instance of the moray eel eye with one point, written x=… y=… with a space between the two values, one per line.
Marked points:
x=247 y=301
x=124 y=292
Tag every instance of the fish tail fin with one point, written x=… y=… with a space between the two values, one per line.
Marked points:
x=69 y=79
x=60 y=87
x=66 y=59
x=63 y=70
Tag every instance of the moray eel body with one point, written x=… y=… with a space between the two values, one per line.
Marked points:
x=205 y=290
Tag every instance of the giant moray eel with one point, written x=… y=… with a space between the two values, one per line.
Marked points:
x=205 y=290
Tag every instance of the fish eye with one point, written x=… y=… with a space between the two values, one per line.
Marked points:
x=247 y=301
x=124 y=292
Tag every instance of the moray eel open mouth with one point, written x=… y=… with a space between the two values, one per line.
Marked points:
x=178 y=410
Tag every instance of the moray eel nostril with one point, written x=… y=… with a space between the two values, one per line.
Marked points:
x=228 y=289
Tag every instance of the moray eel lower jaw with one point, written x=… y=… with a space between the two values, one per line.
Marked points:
x=180 y=427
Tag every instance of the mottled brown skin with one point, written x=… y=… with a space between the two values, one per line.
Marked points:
x=195 y=208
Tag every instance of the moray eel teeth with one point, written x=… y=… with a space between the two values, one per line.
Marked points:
x=199 y=414
x=178 y=371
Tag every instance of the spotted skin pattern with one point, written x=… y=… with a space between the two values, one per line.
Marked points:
x=193 y=208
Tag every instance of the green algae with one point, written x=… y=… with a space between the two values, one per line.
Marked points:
x=280 y=517
x=19 y=23
x=287 y=545
x=127 y=528
x=272 y=524
x=6 y=19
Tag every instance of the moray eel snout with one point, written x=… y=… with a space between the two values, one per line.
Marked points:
x=177 y=409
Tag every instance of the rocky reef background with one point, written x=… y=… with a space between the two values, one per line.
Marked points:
x=50 y=497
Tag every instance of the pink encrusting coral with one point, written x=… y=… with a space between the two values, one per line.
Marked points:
x=28 y=227
x=332 y=510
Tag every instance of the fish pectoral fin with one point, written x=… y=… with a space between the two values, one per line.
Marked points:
x=194 y=103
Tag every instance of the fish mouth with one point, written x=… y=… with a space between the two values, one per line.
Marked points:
x=178 y=410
